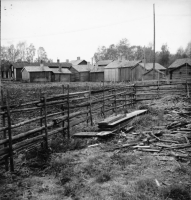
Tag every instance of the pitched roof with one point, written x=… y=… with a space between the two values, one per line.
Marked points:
x=149 y=66
x=97 y=69
x=155 y=70
x=103 y=62
x=63 y=71
x=76 y=62
x=83 y=68
x=22 y=64
x=123 y=63
x=37 y=69
x=180 y=62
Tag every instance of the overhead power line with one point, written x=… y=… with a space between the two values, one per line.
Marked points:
x=74 y=31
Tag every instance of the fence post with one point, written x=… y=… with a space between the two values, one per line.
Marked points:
x=115 y=100
x=10 y=134
x=158 y=94
x=68 y=119
x=45 y=122
x=134 y=95
x=4 y=132
x=62 y=108
x=103 y=100
x=90 y=106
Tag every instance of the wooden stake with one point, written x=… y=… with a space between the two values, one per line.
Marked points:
x=103 y=100
x=4 y=132
x=10 y=134
x=68 y=119
x=62 y=108
x=90 y=107
x=45 y=123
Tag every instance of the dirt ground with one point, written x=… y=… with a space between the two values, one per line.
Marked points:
x=93 y=169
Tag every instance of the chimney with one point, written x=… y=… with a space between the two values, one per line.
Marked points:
x=58 y=61
x=67 y=60
x=60 y=68
x=41 y=65
x=78 y=58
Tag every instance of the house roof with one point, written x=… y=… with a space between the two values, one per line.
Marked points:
x=97 y=69
x=155 y=70
x=37 y=69
x=149 y=66
x=63 y=71
x=123 y=63
x=179 y=62
x=76 y=62
x=83 y=68
x=103 y=62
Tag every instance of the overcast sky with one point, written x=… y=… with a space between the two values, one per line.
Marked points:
x=71 y=28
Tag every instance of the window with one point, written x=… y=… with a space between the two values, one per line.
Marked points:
x=180 y=72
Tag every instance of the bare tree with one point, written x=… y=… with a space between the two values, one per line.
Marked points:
x=42 y=55
x=30 y=53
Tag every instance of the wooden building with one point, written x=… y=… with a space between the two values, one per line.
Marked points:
x=97 y=74
x=80 y=73
x=127 y=72
x=37 y=74
x=61 y=75
x=119 y=70
x=17 y=67
x=157 y=73
x=139 y=70
x=180 y=69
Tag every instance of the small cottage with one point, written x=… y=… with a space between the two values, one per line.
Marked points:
x=61 y=75
x=97 y=74
x=80 y=73
x=139 y=70
x=36 y=74
x=157 y=74
x=119 y=70
x=180 y=69
x=17 y=67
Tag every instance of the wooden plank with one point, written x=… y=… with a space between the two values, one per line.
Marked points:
x=111 y=119
x=85 y=134
x=127 y=117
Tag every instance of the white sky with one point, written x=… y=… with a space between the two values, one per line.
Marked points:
x=71 y=28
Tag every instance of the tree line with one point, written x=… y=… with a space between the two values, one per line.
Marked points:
x=23 y=52
x=123 y=48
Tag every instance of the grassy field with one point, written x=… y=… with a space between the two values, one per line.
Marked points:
x=79 y=169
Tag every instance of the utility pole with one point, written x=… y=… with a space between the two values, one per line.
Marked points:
x=154 y=42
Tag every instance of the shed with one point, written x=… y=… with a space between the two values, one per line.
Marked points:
x=97 y=74
x=127 y=72
x=36 y=74
x=158 y=75
x=61 y=75
x=80 y=73
x=17 y=67
x=180 y=69
x=119 y=70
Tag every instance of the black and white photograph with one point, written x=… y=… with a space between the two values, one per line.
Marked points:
x=95 y=100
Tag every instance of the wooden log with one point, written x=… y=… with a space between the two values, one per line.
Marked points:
x=68 y=113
